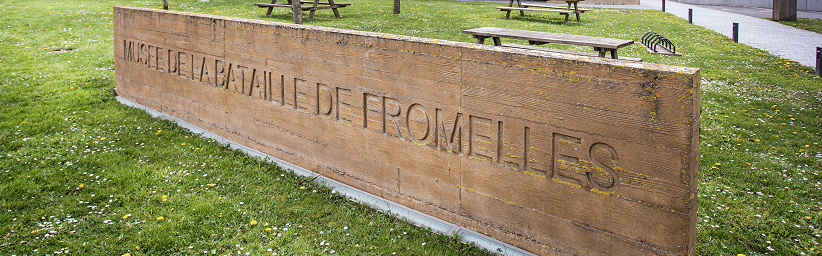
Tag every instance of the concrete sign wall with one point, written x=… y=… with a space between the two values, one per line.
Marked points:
x=556 y=154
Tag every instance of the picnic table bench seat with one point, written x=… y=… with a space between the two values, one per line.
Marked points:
x=601 y=45
x=580 y=10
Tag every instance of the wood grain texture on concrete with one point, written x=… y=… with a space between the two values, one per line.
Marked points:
x=556 y=154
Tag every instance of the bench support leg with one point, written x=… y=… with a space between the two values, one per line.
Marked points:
x=511 y=4
x=481 y=40
x=508 y=13
x=601 y=51
x=566 y=18
x=336 y=13
x=576 y=11
x=333 y=5
x=268 y=13
x=314 y=9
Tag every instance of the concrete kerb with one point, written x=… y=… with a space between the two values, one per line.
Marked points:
x=397 y=210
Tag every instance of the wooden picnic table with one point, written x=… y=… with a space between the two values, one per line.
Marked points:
x=543 y=8
x=600 y=45
x=315 y=5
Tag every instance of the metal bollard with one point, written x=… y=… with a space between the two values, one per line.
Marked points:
x=819 y=61
x=736 y=32
x=691 y=16
x=663 y=5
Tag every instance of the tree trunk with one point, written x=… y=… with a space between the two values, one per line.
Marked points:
x=396 y=6
x=165 y=4
x=784 y=10
x=298 y=12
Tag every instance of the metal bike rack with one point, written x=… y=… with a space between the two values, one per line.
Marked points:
x=658 y=44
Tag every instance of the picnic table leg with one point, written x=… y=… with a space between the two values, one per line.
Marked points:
x=497 y=42
x=313 y=9
x=576 y=11
x=334 y=8
x=601 y=51
x=336 y=13
x=508 y=13
x=521 y=12
x=566 y=18
x=480 y=39
x=268 y=13
x=613 y=54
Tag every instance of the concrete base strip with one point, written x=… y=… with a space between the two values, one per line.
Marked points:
x=402 y=212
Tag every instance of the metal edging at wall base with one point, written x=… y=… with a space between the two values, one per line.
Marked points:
x=397 y=210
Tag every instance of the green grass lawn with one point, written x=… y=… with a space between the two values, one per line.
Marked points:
x=814 y=25
x=82 y=174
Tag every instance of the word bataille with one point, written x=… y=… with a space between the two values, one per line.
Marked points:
x=386 y=115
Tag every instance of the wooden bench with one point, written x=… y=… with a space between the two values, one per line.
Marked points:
x=315 y=5
x=543 y=8
x=600 y=45
x=580 y=10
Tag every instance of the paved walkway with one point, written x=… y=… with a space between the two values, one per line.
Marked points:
x=784 y=41
x=760 y=12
